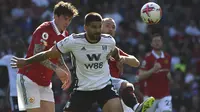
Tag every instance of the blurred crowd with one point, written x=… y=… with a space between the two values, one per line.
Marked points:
x=180 y=28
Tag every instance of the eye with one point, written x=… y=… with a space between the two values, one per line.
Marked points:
x=113 y=27
x=107 y=26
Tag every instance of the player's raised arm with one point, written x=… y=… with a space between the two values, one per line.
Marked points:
x=48 y=54
x=128 y=59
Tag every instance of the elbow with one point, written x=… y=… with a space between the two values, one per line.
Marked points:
x=137 y=64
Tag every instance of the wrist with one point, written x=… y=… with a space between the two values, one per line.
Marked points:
x=151 y=71
x=27 y=61
x=123 y=59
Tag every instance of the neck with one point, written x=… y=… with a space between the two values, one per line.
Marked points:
x=59 y=29
x=158 y=52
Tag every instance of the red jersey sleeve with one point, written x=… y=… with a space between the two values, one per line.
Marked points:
x=40 y=37
x=145 y=64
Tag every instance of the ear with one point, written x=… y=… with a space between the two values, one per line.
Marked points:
x=55 y=16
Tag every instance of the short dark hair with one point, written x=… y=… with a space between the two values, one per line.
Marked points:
x=65 y=8
x=155 y=35
x=91 y=17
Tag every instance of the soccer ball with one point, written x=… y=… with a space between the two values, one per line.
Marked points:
x=151 y=13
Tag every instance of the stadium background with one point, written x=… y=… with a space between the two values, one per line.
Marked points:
x=180 y=27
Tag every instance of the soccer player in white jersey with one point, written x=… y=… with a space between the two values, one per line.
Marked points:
x=125 y=89
x=91 y=51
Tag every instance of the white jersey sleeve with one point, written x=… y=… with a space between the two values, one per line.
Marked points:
x=66 y=44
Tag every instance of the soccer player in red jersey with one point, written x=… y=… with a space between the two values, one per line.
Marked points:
x=34 y=80
x=125 y=89
x=91 y=51
x=155 y=69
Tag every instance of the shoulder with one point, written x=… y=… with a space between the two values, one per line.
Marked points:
x=167 y=55
x=78 y=36
x=44 y=27
x=106 y=36
x=148 y=55
x=73 y=37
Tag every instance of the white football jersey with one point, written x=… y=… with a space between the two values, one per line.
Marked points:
x=91 y=60
x=5 y=61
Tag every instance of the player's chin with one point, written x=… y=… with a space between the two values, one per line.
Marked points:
x=157 y=48
x=97 y=36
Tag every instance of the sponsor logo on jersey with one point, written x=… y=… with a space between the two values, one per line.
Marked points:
x=83 y=48
x=104 y=47
x=94 y=65
x=166 y=61
x=93 y=57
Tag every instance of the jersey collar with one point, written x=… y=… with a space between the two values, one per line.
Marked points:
x=55 y=27
x=157 y=56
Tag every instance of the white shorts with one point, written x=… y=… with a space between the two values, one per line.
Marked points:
x=30 y=94
x=116 y=82
x=160 y=105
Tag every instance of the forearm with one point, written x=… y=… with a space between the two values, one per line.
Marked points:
x=61 y=64
x=37 y=57
x=115 y=54
x=49 y=65
x=145 y=74
x=40 y=55
x=131 y=61
x=169 y=76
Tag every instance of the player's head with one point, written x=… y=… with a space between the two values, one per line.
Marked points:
x=108 y=26
x=63 y=14
x=156 y=41
x=92 y=25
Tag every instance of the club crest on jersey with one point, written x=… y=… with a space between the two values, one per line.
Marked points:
x=166 y=61
x=45 y=35
x=31 y=100
x=104 y=47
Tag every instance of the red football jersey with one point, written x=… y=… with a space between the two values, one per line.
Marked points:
x=46 y=34
x=114 y=71
x=158 y=83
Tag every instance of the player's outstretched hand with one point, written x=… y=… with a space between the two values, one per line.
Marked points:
x=18 y=62
x=156 y=66
x=64 y=77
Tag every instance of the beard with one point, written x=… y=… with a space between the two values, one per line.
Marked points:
x=95 y=37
